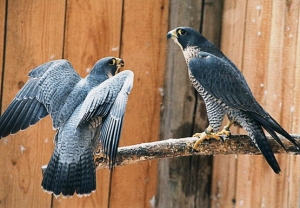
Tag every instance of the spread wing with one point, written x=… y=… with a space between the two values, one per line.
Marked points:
x=108 y=100
x=44 y=93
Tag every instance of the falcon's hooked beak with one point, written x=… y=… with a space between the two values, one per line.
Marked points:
x=172 y=34
x=119 y=64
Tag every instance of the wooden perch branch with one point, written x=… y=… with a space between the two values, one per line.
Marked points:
x=237 y=144
x=171 y=148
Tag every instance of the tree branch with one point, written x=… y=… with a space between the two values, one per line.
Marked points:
x=171 y=148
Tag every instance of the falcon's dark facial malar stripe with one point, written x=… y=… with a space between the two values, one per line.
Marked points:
x=226 y=92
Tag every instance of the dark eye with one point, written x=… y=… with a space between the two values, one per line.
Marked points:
x=181 y=32
x=112 y=62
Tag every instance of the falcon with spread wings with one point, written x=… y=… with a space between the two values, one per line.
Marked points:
x=84 y=111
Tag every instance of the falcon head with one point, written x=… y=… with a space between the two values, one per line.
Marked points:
x=109 y=66
x=186 y=36
x=116 y=62
x=192 y=42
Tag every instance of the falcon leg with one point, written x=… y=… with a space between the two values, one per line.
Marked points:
x=225 y=133
x=207 y=134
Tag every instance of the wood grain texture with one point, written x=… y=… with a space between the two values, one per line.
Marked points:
x=211 y=27
x=4 y=197
x=177 y=177
x=143 y=47
x=274 y=99
x=261 y=38
x=291 y=68
x=232 y=39
x=92 y=31
x=180 y=147
x=268 y=61
x=2 y=40
x=253 y=170
x=33 y=36
x=187 y=179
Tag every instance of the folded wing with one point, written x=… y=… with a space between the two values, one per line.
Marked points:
x=108 y=100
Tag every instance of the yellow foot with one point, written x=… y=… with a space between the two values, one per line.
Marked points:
x=204 y=135
x=224 y=134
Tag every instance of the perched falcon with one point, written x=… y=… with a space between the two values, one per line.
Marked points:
x=84 y=111
x=225 y=91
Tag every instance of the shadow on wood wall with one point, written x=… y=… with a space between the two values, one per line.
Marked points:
x=34 y=32
x=262 y=38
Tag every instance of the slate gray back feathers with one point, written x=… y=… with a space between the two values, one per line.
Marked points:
x=55 y=88
x=225 y=91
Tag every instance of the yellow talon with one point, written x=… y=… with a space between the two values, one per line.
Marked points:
x=224 y=133
x=207 y=134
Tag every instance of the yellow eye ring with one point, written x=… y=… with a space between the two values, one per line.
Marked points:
x=181 y=32
x=113 y=61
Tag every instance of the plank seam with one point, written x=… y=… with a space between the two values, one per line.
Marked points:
x=4 y=52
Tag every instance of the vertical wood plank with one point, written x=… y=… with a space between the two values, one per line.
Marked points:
x=211 y=28
x=185 y=182
x=3 y=199
x=268 y=63
x=281 y=83
x=292 y=39
x=253 y=169
x=34 y=35
x=143 y=48
x=265 y=64
x=290 y=68
x=176 y=186
x=92 y=31
x=2 y=36
x=273 y=85
x=232 y=45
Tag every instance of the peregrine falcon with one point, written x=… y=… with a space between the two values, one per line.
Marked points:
x=225 y=91
x=84 y=111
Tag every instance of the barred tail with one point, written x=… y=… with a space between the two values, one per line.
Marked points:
x=67 y=178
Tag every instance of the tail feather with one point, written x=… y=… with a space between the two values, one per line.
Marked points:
x=69 y=190
x=57 y=179
x=271 y=125
x=281 y=131
x=274 y=135
x=87 y=173
x=260 y=140
x=257 y=135
x=48 y=177
x=66 y=178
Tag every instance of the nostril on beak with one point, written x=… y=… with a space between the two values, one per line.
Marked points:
x=122 y=63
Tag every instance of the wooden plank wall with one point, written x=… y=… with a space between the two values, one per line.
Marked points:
x=34 y=34
x=262 y=38
x=82 y=32
x=2 y=35
x=185 y=181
